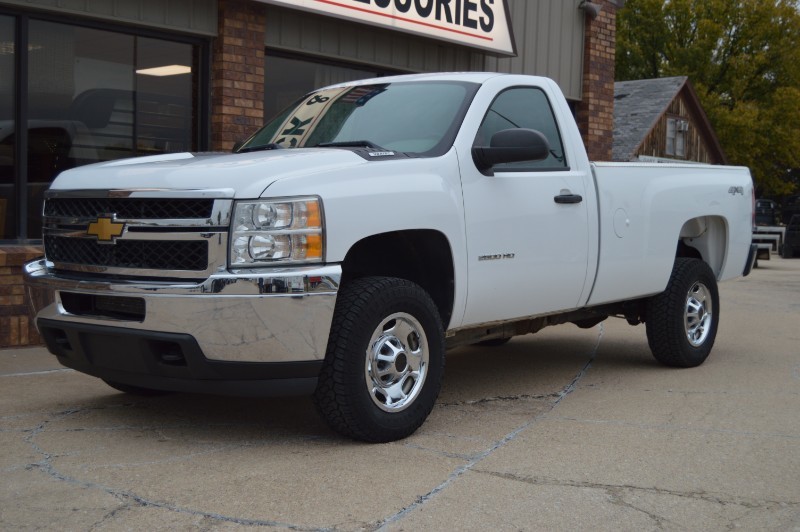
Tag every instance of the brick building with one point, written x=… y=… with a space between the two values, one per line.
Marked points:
x=84 y=81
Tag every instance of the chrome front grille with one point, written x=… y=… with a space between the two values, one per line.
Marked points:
x=136 y=254
x=132 y=208
x=183 y=236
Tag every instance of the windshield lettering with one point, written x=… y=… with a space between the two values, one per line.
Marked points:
x=418 y=118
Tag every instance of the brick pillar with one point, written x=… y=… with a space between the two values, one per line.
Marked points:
x=16 y=317
x=596 y=110
x=237 y=98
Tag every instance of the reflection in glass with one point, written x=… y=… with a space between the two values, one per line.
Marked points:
x=7 y=142
x=80 y=103
x=423 y=118
x=87 y=103
x=288 y=79
x=524 y=107
x=164 y=97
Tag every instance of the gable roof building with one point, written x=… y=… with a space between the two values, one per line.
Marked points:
x=662 y=120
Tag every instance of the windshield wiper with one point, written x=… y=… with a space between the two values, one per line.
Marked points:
x=351 y=144
x=270 y=146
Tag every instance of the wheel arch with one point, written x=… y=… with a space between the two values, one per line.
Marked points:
x=705 y=238
x=423 y=256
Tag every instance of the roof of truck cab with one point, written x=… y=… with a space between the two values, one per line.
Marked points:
x=474 y=77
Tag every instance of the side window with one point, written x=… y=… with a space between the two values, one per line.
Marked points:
x=524 y=107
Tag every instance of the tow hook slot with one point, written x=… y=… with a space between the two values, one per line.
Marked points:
x=168 y=353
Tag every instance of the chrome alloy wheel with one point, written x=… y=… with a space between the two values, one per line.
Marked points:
x=699 y=315
x=397 y=362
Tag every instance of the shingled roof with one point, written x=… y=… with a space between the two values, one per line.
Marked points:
x=638 y=105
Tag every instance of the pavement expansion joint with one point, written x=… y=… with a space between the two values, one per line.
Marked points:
x=616 y=497
x=501 y=399
x=675 y=427
x=502 y=442
x=636 y=447
x=617 y=489
x=127 y=498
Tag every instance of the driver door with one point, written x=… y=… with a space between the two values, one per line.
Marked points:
x=527 y=235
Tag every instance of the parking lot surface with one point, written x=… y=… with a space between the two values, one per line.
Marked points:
x=565 y=429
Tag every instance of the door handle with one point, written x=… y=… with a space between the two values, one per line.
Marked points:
x=568 y=198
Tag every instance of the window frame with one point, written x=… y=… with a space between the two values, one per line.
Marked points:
x=675 y=124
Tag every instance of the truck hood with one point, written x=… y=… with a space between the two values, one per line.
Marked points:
x=244 y=175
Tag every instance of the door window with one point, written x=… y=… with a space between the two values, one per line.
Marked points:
x=524 y=107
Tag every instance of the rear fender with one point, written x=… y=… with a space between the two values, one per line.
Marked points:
x=709 y=236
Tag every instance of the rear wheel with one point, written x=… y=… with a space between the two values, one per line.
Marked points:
x=385 y=359
x=682 y=321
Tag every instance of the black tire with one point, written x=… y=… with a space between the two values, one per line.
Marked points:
x=136 y=390
x=377 y=319
x=682 y=321
x=787 y=252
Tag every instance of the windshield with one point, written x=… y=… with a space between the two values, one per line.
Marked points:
x=419 y=118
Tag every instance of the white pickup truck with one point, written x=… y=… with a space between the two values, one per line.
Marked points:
x=368 y=228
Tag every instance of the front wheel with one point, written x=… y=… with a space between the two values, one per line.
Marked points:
x=682 y=321
x=385 y=359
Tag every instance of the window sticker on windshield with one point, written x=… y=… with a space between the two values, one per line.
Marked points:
x=361 y=95
x=300 y=124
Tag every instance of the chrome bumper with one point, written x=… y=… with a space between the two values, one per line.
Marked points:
x=264 y=315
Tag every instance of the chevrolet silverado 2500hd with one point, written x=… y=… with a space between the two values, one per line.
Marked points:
x=369 y=227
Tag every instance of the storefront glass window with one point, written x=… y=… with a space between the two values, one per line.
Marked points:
x=80 y=94
x=7 y=141
x=97 y=95
x=164 y=97
x=287 y=79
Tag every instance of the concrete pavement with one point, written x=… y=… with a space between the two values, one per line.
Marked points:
x=565 y=429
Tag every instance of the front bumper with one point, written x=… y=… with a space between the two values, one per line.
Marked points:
x=235 y=326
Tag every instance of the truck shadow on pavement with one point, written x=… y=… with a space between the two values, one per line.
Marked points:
x=527 y=368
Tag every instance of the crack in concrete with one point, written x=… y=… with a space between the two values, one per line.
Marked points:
x=499 y=444
x=446 y=454
x=110 y=515
x=128 y=498
x=732 y=393
x=672 y=426
x=753 y=504
x=616 y=497
x=501 y=398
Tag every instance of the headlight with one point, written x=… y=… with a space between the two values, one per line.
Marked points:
x=276 y=231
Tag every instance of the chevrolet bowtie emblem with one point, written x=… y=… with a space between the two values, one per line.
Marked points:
x=105 y=229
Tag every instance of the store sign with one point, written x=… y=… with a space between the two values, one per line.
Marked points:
x=478 y=23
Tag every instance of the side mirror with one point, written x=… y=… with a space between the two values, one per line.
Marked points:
x=511 y=146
